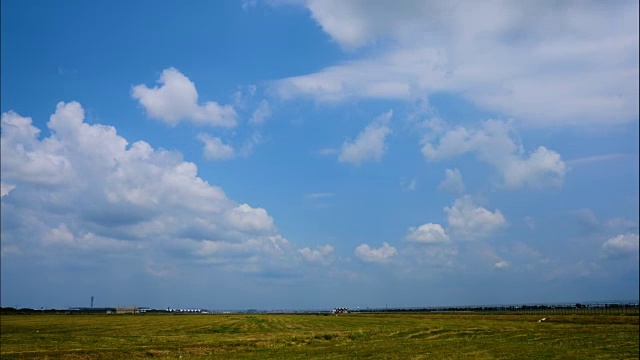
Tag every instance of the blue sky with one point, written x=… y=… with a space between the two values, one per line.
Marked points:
x=313 y=154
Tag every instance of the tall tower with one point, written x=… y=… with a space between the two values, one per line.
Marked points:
x=92 y=302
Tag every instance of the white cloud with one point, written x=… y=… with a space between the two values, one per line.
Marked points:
x=262 y=113
x=357 y=23
x=245 y=218
x=428 y=234
x=493 y=144
x=254 y=140
x=334 y=18
x=274 y=244
x=390 y=76
x=452 y=182
x=502 y=264
x=243 y=95
x=62 y=236
x=621 y=246
x=576 y=63
x=542 y=167
x=25 y=159
x=5 y=189
x=380 y=255
x=322 y=254
x=176 y=99
x=215 y=149
x=596 y=159
x=369 y=145
x=256 y=255
x=18 y=129
x=85 y=187
x=469 y=221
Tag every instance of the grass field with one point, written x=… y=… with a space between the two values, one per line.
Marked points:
x=350 y=336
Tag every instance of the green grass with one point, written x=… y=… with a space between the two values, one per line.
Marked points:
x=352 y=336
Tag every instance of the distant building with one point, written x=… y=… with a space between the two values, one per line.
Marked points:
x=127 y=310
x=188 y=311
x=341 y=310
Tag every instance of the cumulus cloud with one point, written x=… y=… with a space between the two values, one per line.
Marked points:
x=494 y=144
x=452 y=182
x=370 y=144
x=623 y=245
x=380 y=255
x=257 y=255
x=176 y=99
x=428 y=234
x=86 y=188
x=469 y=221
x=321 y=255
x=18 y=129
x=542 y=167
x=544 y=62
x=502 y=264
x=62 y=236
x=259 y=251
x=25 y=159
x=215 y=149
x=245 y=218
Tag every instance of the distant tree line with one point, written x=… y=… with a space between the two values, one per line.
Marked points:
x=578 y=308
x=615 y=308
x=28 y=311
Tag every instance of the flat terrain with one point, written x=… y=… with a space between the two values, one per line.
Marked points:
x=350 y=336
